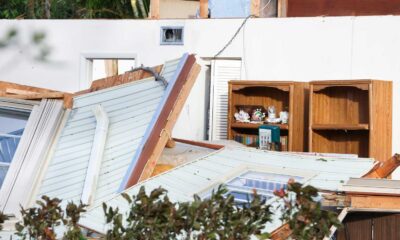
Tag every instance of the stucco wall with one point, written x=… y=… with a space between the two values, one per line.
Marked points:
x=300 y=49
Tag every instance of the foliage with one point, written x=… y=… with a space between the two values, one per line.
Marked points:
x=305 y=216
x=3 y=218
x=154 y=216
x=74 y=9
x=36 y=48
x=40 y=222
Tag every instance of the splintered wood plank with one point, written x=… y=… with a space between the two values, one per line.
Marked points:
x=118 y=80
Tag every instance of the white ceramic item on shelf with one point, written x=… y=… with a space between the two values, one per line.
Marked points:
x=284 y=116
x=242 y=116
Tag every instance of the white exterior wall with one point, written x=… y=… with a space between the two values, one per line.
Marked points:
x=299 y=49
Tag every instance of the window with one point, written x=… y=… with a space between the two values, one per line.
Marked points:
x=103 y=68
x=96 y=66
x=171 y=36
x=12 y=124
x=242 y=186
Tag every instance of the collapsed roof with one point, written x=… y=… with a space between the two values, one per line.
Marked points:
x=115 y=129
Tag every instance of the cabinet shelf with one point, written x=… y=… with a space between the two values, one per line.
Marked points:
x=283 y=95
x=257 y=125
x=340 y=127
x=351 y=117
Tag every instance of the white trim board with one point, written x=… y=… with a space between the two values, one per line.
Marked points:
x=85 y=63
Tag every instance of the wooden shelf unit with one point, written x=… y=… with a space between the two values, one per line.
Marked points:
x=284 y=95
x=351 y=116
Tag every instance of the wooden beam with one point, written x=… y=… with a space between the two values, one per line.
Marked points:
x=255 y=7
x=200 y=144
x=171 y=119
x=19 y=91
x=155 y=9
x=375 y=202
x=282 y=8
x=384 y=169
x=170 y=143
x=203 y=8
x=34 y=96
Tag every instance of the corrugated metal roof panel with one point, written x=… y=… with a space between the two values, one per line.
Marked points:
x=328 y=173
x=130 y=108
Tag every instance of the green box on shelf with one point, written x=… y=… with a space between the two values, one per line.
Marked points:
x=269 y=136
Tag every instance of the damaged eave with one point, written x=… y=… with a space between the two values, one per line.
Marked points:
x=23 y=92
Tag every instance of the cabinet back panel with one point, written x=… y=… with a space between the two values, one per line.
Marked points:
x=340 y=105
x=262 y=96
x=336 y=141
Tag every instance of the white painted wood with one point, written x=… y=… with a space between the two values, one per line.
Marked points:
x=29 y=157
x=96 y=156
x=222 y=71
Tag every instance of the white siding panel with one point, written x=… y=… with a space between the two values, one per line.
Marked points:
x=130 y=108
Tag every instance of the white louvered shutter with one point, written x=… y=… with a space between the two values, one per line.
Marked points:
x=222 y=71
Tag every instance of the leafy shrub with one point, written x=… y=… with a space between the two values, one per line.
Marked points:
x=3 y=218
x=40 y=222
x=154 y=216
x=305 y=216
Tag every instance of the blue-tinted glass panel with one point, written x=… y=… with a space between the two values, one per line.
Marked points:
x=264 y=183
x=12 y=124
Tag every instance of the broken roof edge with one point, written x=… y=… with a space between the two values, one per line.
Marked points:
x=18 y=91
x=119 y=79
x=130 y=179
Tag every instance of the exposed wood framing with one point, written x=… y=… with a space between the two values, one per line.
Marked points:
x=200 y=144
x=183 y=87
x=118 y=80
x=170 y=143
x=154 y=9
x=255 y=7
x=18 y=91
x=375 y=202
x=282 y=8
x=203 y=8
x=162 y=128
x=49 y=95
x=384 y=169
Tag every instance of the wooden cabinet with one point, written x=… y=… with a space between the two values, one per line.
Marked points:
x=285 y=96
x=351 y=116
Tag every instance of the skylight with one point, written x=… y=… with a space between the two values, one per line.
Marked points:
x=242 y=187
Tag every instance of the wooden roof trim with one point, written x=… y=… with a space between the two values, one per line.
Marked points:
x=161 y=131
x=19 y=91
x=200 y=144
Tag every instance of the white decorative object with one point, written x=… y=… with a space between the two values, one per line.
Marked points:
x=284 y=116
x=272 y=115
x=242 y=116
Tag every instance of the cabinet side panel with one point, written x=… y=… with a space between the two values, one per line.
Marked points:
x=381 y=120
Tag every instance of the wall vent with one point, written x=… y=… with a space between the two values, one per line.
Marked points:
x=171 y=36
